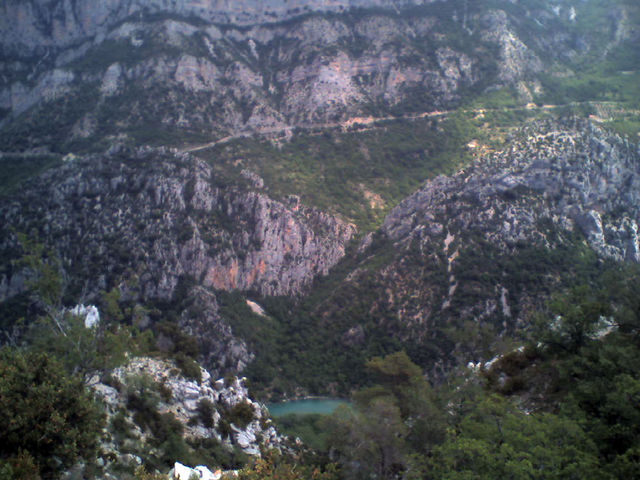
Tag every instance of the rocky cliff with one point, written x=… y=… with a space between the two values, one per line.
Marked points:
x=165 y=217
x=572 y=175
x=38 y=25
x=147 y=221
x=133 y=66
x=468 y=258
x=178 y=72
x=168 y=230
x=208 y=412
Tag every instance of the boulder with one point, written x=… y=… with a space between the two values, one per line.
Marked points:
x=182 y=472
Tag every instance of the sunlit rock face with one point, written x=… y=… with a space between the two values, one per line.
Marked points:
x=88 y=313
x=158 y=217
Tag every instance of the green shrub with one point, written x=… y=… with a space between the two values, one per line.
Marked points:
x=165 y=391
x=241 y=414
x=225 y=428
x=206 y=409
x=189 y=367
x=47 y=415
x=120 y=426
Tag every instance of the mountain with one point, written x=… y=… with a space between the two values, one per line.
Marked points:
x=284 y=190
x=468 y=258
x=151 y=221
x=281 y=133
x=176 y=73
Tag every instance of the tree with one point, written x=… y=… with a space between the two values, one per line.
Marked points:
x=391 y=424
x=403 y=380
x=46 y=413
x=499 y=441
x=276 y=466
x=578 y=318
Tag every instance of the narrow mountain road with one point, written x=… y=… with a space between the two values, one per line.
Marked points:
x=360 y=121
x=370 y=121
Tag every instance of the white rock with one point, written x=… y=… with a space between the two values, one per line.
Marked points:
x=89 y=312
x=182 y=472
x=111 y=80
x=206 y=474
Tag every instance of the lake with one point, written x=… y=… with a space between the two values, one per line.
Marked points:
x=323 y=406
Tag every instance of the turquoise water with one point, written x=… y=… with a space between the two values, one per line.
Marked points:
x=311 y=405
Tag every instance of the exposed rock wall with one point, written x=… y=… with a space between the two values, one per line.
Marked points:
x=149 y=221
x=312 y=70
x=36 y=24
x=182 y=398
x=576 y=176
x=158 y=217
x=471 y=256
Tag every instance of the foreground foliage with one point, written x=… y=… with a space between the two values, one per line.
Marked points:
x=565 y=406
x=48 y=420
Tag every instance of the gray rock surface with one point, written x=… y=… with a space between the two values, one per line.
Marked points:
x=576 y=176
x=470 y=257
x=37 y=23
x=161 y=216
x=148 y=221
x=312 y=70
x=181 y=399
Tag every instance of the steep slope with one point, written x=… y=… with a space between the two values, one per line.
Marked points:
x=210 y=81
x=460 y=266
x=289 y=188
x=38 y=24
x=216 y=417
x=147 y=221
x=492 y=234
x=349 y=109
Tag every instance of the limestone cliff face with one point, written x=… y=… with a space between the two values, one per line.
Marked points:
x=182 y=72
x=218 y=67
x=38 y=24
x=157 y=217
x=148 y=221
x=470 y=256
x=576 y=176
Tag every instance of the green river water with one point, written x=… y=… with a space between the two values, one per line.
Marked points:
x=324 y=406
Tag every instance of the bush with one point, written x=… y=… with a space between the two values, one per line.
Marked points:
x=47 y=415
x=189 y=367
x=241 y=414
x=165 y=391
x=21 y=466
x=206 y=410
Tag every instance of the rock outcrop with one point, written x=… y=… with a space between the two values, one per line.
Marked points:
x=201 y=472
x=575 y=176
x=205 y=409
x=112 y=69
x=468 y=258
x=158 y=217
x=36 y=24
